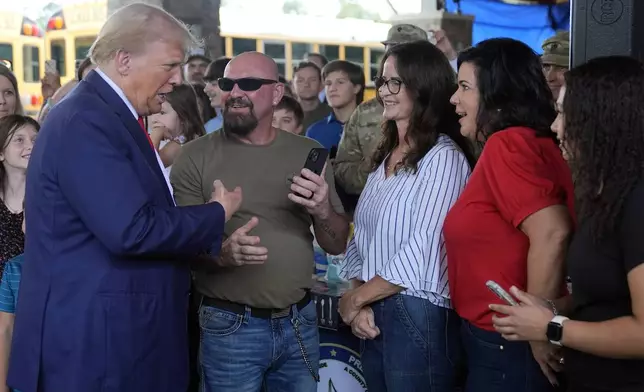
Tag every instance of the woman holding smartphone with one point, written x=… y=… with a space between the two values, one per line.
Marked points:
x=601 y=325
x=513 y=221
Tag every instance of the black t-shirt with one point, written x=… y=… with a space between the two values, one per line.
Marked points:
x=600 y=292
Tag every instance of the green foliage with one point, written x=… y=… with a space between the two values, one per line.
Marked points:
x=352 y=9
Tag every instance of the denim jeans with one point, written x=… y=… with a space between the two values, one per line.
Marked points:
x=241 y=353
x=497 y=365
x=418 y=348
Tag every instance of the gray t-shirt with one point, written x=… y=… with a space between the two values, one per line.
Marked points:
x=263 y=173
x=315 y=115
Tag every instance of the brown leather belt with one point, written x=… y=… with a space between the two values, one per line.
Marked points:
x=263 y=313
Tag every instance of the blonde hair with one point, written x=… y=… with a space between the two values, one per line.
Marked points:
x=132 y=27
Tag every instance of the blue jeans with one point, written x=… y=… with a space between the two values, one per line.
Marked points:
x=241 y=353
x=417 y=350
x=497 y=365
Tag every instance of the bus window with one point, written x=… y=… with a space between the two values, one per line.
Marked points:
x=58 y=54
x=354 y=54
x=299 y=51
x=277 y=51
x=6 y=55
x=331 y=52
x=82 y=46
x=31 y=63
x=241 y=45
x=375 y=57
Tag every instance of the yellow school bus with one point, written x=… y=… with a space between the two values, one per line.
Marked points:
x=70 y=33
x=286 y=38
x=22 y=50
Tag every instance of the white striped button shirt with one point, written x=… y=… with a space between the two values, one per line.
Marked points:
x=399 y=224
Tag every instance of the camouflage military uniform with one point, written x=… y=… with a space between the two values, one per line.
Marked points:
x=362 y=132
x=360 y=139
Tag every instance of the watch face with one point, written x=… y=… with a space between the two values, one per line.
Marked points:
x=554 y=332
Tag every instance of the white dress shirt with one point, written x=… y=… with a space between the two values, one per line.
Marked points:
x=120 y=93
x=398 y=224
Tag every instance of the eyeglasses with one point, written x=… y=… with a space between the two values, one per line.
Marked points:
x=393 y=84
x=245 y=84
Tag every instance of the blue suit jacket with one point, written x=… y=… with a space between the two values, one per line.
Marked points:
x=104 y=294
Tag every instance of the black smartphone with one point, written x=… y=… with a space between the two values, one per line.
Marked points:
x=316 y=159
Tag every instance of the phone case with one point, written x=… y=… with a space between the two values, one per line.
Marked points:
x=502 y=294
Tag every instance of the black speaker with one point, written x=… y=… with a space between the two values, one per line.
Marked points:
x=606 y=28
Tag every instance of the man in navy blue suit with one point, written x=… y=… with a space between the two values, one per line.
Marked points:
x=104 y=294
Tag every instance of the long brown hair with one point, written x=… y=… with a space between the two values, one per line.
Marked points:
x=430 y=81
x=6 y=72
x=8 y=127
x=603 y=111
x=183 y=100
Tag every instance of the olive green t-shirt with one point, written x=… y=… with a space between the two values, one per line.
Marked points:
x=263 y=173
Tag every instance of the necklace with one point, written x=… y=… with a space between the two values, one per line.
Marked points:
x=11 y=210
x=393 y=163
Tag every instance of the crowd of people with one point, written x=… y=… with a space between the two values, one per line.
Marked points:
x=168 y=240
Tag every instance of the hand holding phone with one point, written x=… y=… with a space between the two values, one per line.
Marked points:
x=498 y=290
x=431 y=37
x=315 y=162
x=310 y=190
x=50 y=67
x=316 y=159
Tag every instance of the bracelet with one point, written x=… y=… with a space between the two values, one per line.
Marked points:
x=179 y=139
x=552 y=305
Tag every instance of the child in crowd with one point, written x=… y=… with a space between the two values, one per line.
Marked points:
x=344 y=85
x=288 y=115
x=8 y=299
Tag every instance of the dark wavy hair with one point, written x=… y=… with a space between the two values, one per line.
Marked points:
x=183 y=100
x=8 y=127
x=6 y=72
x=513 y=90
x=603 y=110
x=430 y=81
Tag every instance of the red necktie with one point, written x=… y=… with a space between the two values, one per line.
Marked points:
x=142 y=124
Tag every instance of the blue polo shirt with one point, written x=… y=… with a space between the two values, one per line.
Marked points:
x=215 y=123
x=327 y=131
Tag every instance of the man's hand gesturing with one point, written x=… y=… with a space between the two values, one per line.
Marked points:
x=230 y=200
x=242 y=249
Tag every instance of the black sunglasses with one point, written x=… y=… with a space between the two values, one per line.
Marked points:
x=245 y=84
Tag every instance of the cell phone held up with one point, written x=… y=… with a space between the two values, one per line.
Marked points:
x=51 y=67
x=315 y=161
x=501 y=293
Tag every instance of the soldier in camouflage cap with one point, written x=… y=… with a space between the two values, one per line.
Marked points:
x=555 y=60
x=362 y=132
x=404 y=33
